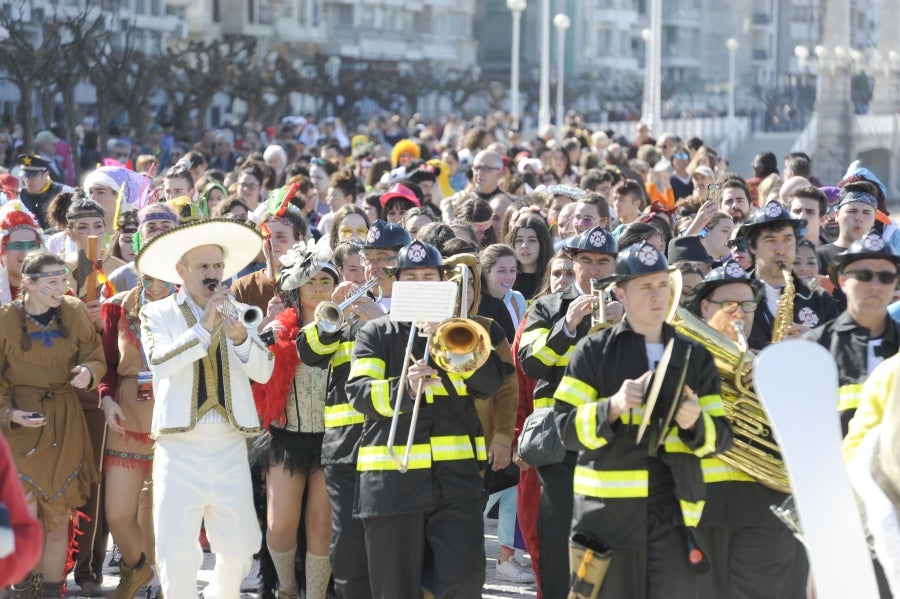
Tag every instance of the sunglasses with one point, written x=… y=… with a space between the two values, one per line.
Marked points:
x=681 y=156
x=347 y=232
x=864 y=275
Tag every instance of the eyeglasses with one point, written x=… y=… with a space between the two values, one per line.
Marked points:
x=22 y=246
x=485 y=167
x=729 y=307
x=584 y=218
x=864 y=275
x=248 y=184
x=347 y=232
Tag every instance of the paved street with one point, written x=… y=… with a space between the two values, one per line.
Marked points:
x=493 y=589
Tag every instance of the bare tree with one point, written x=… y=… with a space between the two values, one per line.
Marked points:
x=195 y=73
x=25 y=58
x=72 y=36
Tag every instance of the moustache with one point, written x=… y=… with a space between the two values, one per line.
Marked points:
x=211 y=284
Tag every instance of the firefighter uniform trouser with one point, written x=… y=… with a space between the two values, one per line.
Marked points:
x=554 y=526
x=348 y=537
x=750 y=562
x=441 y=551
x=658 y=570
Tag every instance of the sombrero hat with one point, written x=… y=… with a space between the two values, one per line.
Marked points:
x=240 y=244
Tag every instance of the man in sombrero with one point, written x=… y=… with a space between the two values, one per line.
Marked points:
x=202 y=364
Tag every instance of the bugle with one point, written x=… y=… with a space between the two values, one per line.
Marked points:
x=247 y=315
x=329 y=316
x=456 y=345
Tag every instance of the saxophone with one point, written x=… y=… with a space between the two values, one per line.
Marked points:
x=784 y=310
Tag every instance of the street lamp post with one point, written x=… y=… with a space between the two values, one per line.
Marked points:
x=544 y=107
x=732 y=46
x=562 y=22
x=647 y=104
x=516 y=7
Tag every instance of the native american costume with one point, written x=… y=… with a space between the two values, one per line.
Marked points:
x=128 y=382
x=55 y=461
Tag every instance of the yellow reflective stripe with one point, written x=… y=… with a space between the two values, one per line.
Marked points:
x=633 y=416
x=586 y=426
x=342 y=415
x=674 y=444
x=312 y=337
x=543 y=402
x=373 y=368
x=342 y=355
x=537 y=339
x=451 y=447
x=849 y=396
x=381 y=398
x=575 y=392
x=459 y=384
x=709 y=435
x=611 y=484
x=717 y=471
x=691 y=512
x=480 y=449
x=712 y=404
x=378 y=458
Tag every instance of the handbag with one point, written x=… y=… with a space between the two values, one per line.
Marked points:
x=539 y=441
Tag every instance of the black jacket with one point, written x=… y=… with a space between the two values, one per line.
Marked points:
x=616 y=480
x=545 y=346
x=811 y=308
x=448 y=449
x=848 y=343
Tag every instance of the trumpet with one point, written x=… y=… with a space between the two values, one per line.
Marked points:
x=457 y=345
x=247 y=315
x=598 y=316
x=329 y=316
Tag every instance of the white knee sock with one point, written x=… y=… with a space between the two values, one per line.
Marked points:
x=318 y=572
x=284 y=567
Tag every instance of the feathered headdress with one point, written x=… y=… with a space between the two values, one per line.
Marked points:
x=301 y=262
x=13 y=216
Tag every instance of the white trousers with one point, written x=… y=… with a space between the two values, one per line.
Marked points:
x=203 y=476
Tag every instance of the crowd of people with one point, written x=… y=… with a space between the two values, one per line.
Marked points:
x=198 y=354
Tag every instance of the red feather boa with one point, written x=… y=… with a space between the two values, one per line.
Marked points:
x=271 y=397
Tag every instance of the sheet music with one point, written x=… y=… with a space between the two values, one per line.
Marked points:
x=423 y=301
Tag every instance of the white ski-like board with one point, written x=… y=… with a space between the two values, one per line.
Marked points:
x=797 y=382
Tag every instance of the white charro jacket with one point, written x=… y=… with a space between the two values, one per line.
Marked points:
x=173 y=353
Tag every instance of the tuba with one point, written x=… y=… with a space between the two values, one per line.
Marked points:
x=755 y=451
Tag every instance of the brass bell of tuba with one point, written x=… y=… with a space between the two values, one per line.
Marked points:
x=755 y=450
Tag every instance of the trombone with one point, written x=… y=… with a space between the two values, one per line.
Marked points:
x=457 y=345
x=329 y=316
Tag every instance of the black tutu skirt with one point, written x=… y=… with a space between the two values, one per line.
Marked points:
x=299 y=453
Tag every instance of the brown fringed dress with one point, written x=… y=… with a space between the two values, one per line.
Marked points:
x=54 y=461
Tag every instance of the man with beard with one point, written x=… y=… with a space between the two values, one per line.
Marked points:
x=735 y=199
